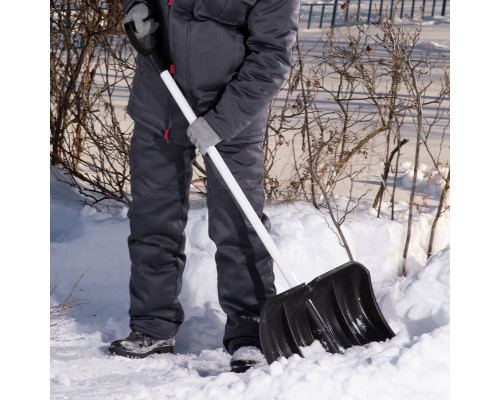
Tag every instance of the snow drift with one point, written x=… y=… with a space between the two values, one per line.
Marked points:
x=413 y=365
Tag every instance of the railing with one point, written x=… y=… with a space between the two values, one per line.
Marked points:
x=340 y=12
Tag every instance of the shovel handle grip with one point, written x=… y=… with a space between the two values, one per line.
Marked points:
x=141 y=49
x=152 y=53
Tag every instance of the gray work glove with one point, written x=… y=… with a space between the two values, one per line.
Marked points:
x=141 y=15
x=202 y=135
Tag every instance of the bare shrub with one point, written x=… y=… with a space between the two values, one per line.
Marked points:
x=339 y=116
x=60 y=313
x=368 y=81
x=417 y=70
x=91 y=73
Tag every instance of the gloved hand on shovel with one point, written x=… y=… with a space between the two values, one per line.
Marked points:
x=202 y=135
x=141 y=15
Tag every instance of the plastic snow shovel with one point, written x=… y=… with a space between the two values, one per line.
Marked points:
x=337 y=308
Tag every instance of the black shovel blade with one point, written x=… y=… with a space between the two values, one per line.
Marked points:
x=337 y=308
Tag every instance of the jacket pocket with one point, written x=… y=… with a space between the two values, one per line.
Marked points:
x=149 y=99
x=228 y=12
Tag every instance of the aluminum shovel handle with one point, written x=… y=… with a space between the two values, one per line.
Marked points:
x=221 y=166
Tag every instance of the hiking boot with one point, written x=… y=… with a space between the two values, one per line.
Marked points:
x=246 y=357
x=140 y=345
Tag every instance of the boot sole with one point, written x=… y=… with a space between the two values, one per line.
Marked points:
x=128 y=354
x=239 y=366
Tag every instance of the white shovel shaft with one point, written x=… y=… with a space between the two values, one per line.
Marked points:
x=233 y=185
x=178 y=96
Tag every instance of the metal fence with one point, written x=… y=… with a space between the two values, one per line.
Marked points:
x=342 y=12
x=339 y=12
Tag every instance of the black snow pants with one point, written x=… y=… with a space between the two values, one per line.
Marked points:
x=160 y=179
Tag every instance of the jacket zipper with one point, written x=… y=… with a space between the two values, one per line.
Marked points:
x=169 y=31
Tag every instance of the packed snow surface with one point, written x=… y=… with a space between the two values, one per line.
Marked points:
x=413 y=365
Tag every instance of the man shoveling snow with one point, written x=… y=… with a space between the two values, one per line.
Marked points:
x=229 y=59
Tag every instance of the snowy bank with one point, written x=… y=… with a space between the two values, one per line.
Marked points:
x=413 y=365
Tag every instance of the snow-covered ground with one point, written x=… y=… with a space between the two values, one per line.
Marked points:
x=414 y=365
x=403 y=368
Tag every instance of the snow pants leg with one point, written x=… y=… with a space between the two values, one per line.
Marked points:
x=245 y=276
x=160 y=175
x=160 y=179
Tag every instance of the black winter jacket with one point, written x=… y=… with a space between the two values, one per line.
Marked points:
x=229 y=58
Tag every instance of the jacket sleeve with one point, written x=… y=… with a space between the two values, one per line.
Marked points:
x=127 y=4
x=272 y=25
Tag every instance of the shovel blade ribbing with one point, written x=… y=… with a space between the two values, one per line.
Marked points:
x=337 y=308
